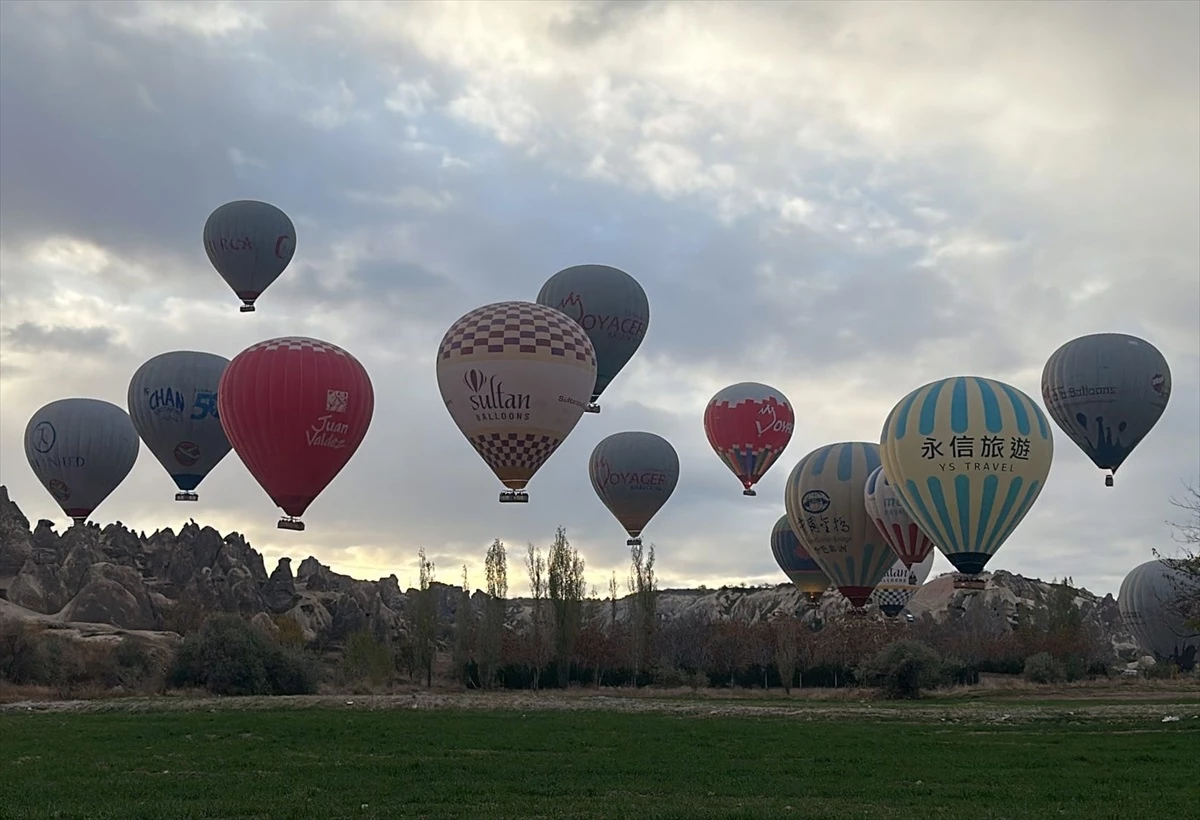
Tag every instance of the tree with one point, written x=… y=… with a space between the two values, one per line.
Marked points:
x=643 y=586
x=426 y=625
x=462 y=630
x=491 y=633
x=612 y=597
x=539 y=638
x=1186 y=600
x=786 y=651
x=566 y=588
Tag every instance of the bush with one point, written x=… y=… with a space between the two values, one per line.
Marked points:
x=1161 y=671
x=229 y=657
x=366 y=658
x=1043 y=668
x=902 y=670
x=23 y=656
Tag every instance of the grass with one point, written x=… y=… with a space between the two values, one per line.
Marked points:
x=326 y=763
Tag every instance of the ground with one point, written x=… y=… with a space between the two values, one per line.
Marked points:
x=1117 y=752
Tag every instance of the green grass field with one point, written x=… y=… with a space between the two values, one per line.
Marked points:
x=323 y=762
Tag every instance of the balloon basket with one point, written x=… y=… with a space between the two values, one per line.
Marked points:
x=1108 y=481
x=186 y=497
x=592 y=408
x=634 y=542
x=749 y=492
x=969 y=582
x=246 y=309
x=294 y=524
x=514 y=497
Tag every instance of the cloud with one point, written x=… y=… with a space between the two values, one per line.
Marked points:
x=842 y=200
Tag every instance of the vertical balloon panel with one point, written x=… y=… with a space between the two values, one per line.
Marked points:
x=967 y=457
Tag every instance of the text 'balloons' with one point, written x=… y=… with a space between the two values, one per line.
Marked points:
x=295 y=409
x=634 y=474
x=81 y=450
x=515 y=377
x=796 y=563
x=749 y=426
x=1106 y=391
x=172 y=401
x=967 y=457
x=250 y=243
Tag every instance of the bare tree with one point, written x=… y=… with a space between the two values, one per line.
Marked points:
x=612 y=597
x=539 y=638
x=787 y=651
x=1186 y=599
x=426 y=626
x=463 y=621
x=566 y=588
x=491 y=633
x=644 y=587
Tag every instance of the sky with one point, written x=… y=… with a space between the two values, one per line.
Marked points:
x=843 y=200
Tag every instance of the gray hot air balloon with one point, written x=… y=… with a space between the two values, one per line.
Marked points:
x=249 y=243
x=173 y=403
x=1147 y=603
x=634 y=474
x=81 y=450
x=1106 y=391
x=610 y=306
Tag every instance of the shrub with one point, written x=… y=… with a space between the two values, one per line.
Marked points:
x=1043 y=668
x=902 y=670
x=1161 y=671
x=366 y=658
x=229 y=657
x=290 y=633
x=23 y=655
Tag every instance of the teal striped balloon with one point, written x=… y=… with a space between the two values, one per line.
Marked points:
x=967 y=457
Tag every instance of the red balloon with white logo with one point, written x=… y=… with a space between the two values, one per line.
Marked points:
x=897 y=527
x=295 y=410
x=749 y=426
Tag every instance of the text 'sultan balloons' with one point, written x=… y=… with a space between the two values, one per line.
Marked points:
x=515 y=377
x=824 y=499
x=796 y=563
x=612 y=309
x=249 y=243
x=1106 y=392
x=634 y=474
x=295 y=410
x=172 y=400
x=903 y=534
x=749 y=426
x=81 y=450
x=1149 y=603
x=967 y=457
x=900 y=583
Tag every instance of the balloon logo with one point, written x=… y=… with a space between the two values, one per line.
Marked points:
x=250 y=243
x=515 y=377
x=967 y=457
x=824 y=500
x=749 y=426
x=796 y=563
x=634 y=474
x=903 y=534
x=81 y=450
x=295 y=410
x=1106 y=392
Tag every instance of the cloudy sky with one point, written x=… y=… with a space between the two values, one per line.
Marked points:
x=843 y=200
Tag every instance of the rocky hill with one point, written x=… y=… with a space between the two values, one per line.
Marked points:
x=113 y=578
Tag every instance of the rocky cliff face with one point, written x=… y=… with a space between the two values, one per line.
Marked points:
x=168 y=581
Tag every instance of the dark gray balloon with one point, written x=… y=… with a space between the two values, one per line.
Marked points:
x=610 y=306
x=1106 y=391
x=634 y=474
x=249 y=243
x=1147 y=603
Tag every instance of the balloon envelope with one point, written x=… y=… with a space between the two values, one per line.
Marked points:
x=249 y=243
x=900 y=584
x=749 y=426
x=967 y=457
x=295 y=409
x=515 y=377
x=1147 y=601
x=609 y=305
x=172 y=401
x=81 y=450
x=794 y=560
x=1106 y=392
x=903 y=534
x=634 y=474
x=824 y=499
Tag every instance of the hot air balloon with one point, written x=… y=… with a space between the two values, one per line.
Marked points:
x=900 y=583
x=249 y=243
x=634 y=474
x=295 y=410
x=81 y=450
x=173 y=403
x=967 y=457
x=903 y=535
x=1148 y=601
x=796 y=563
x=824 y=499
x=515 y=377
x=612 y=309
x=1106 y=392
x=749 y=425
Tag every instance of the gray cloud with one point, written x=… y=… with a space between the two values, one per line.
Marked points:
x=35 y=338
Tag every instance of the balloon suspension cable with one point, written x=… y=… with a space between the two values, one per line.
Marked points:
x=514 y=497
x=186 y=496
x=1108 y=480
x=749 y=491
x=592 y=408
x=290 y=523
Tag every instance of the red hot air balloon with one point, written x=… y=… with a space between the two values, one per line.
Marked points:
x=295 y=410
x=749 y=425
